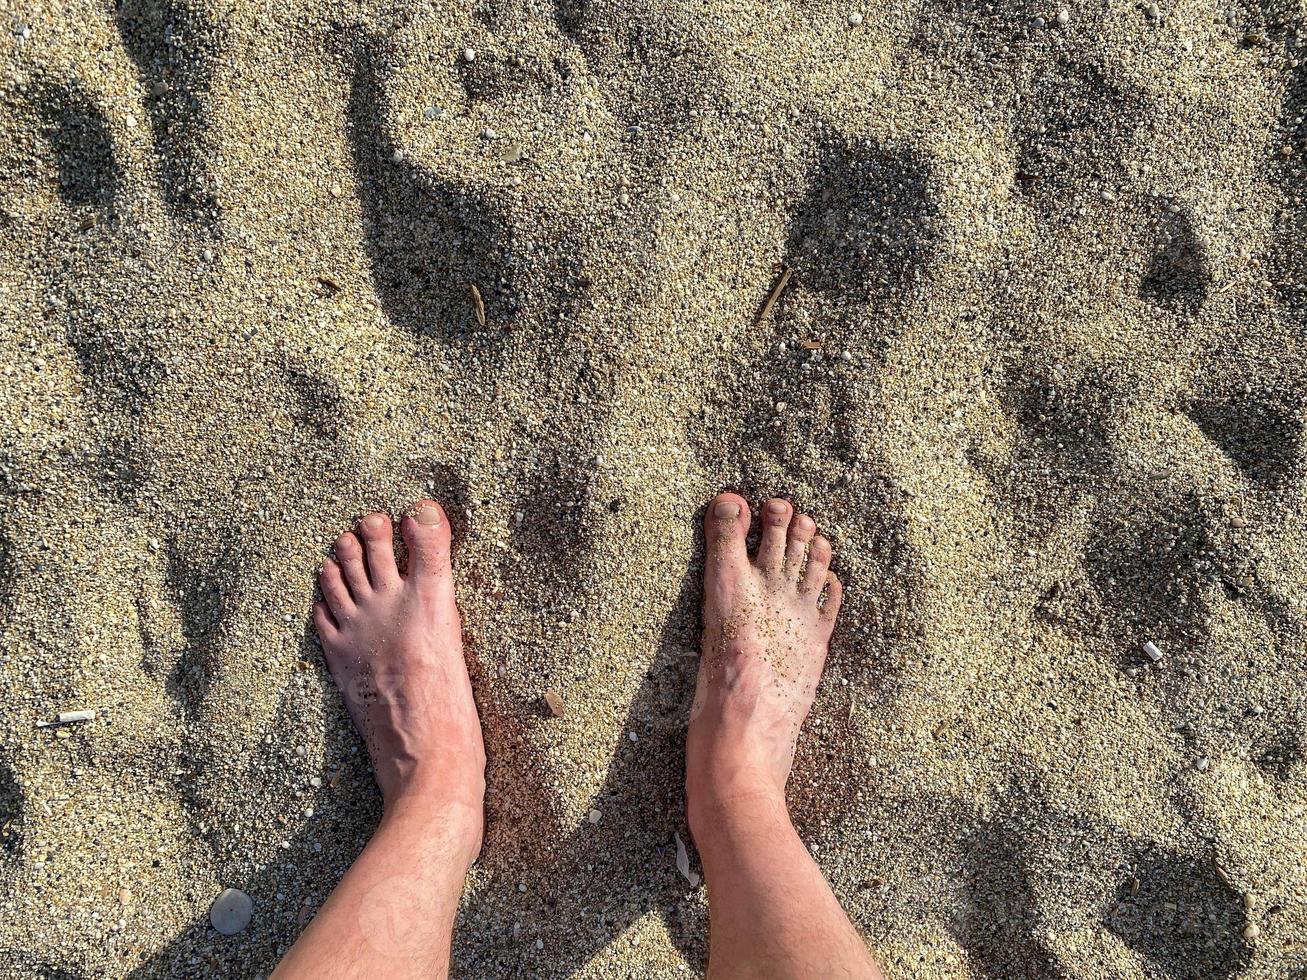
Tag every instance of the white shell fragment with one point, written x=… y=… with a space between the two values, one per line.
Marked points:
x=683 y=863
x=231 y=911
x=69 y=718
x=1154 y=654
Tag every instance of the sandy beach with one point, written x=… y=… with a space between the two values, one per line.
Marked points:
x=1011 y=299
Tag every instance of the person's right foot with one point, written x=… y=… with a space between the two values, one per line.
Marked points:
x=765 y=636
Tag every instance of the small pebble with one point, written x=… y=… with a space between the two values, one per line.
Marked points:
x=1251 y=931
x=1154 y=12
x=488 y=134
x=1063 y=17
x=397 y=156
x=207 y=255
x=231 y=911
x=594 y=816
x=855 y=19
x=1154 y=654
x=554 y=702
x=433 y=112
x=1203 y=764
x=469 y=55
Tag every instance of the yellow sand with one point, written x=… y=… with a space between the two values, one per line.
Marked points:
x=1038 y=371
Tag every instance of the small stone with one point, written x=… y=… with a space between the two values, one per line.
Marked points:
x=131 y=121
x=335 y=190
x=231 y=911
x=125 y=896
x=855 y=19
x=397 y=156
x=554 y=704
x=316 y=782
x=207 y=255
x=1286 y=151
x=489 y=134
x=1251 y=931
x=469 y=55
x=594 y=816
x=1038 y=22
x=1063 y=17
x=1153 y=654
x=623 y=198
x=1203 y=764
x=433 y=112
x=1154 y=12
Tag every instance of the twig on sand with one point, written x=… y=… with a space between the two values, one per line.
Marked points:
x=478 y=303
x=776 y=291
x=68 y=718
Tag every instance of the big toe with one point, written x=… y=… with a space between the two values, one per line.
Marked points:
x=727 y=525
x=426 y=535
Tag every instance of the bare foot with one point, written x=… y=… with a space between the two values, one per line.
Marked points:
x=765 y=633
x=394 y=645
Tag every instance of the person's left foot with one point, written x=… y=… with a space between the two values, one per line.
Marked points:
x=393 y=642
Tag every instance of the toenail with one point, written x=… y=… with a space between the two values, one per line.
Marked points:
x=726 y=510
x=373 y=520
x=776 y=507
x=427 y=515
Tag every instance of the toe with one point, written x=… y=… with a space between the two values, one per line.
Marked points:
x=426 y=535
x=379 y=542
x=727 y=524
x=834 y=597
x=334 y=590
x=802 y=528
x=771 y=547
x=349 y=553
x=324 y=621
x=814 y=575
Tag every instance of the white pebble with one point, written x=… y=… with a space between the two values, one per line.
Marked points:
x=231 y=911
x=1154 y=12
x=1251 y=931
x=1063 y=17
x=594 y=816
x=397 y=156
x=855 y=19
x=1154 y=654
x=1203 y=764
x=488 y=133
x=207 y=255
x=433 y=112
x=469 y=55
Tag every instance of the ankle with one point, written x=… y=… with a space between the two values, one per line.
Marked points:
x=455 y=826
x=727 y=811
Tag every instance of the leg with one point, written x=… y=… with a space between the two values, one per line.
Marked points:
x=393 y=643
x=772 y=913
